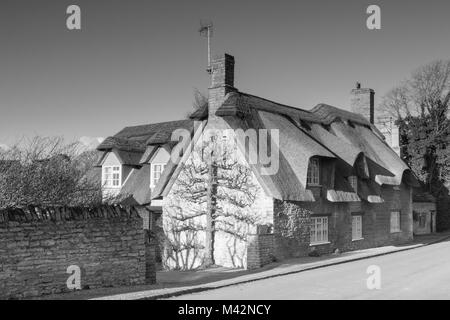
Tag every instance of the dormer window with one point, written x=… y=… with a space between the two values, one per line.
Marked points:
x=155 y=173
x=111 y=176
x=313 y=177
x=353 y=180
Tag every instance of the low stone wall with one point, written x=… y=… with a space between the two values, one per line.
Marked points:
x=37 y=246
x=260 y=248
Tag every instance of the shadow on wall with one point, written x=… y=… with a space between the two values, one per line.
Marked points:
x=181 y=250
x=236 y=252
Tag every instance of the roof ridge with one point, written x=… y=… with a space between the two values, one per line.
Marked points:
x=156 y=123
x=274 y=102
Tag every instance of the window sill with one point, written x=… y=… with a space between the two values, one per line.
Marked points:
x=400 y=231
x=319 y=243
x=357 y=239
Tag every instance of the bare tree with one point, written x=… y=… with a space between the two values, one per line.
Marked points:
x=420 y=94
x=420 y=106
x=49 y=172
x=200 y=100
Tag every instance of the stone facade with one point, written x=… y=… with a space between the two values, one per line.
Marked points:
x=108 y=244
x=292 y=223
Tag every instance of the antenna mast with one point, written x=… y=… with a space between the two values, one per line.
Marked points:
x=206 y=28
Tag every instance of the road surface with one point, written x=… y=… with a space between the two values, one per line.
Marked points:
x=422 y=273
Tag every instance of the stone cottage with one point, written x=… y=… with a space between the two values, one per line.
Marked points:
x=337 y=183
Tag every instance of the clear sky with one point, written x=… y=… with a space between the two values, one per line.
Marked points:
x=138 y=62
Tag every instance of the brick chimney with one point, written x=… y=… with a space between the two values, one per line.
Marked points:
x=222 y=82
x=362 y=101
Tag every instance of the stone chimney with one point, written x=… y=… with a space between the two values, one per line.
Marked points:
x=362 y=101
x=222 y=82
x=391 y=133
x=395 y=139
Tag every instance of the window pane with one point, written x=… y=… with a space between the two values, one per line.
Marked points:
x=313 y=172
x=395 y=221
x=157 y=170
x=111 y=176
x=357 y=227
x=353 y=180
x=319 y=230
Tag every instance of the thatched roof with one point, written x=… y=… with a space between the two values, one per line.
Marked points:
x=126 y=158
x=329 y=114
x=136 y=190
x=136 y=138
x=344 y=133
x=148 y=154
x=123 y=144
x=324 y=131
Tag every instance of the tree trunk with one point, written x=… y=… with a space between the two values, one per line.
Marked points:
x=210 y=215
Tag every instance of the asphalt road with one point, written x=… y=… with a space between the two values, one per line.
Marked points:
x=422 y=273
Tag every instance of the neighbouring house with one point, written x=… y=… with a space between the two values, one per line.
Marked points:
x=424 y=204
x=424 y=212
x=133 y=161
x=337 y=184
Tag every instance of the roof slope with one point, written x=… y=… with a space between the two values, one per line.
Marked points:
x=136 y=138
x=344 y=134
x=324 y=131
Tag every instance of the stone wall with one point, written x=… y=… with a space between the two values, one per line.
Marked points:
x=292 y=221
x=260 y=248
x=108 y=244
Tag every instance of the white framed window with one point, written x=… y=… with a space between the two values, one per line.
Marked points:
x=319 y=230
x=357 y=227
x=313 y=177
x=111 y=176
x=353 y=180
x=155 y=173
x=395 y=221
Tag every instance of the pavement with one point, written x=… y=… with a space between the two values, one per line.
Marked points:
x=192 y=284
